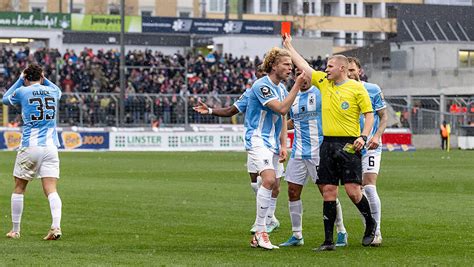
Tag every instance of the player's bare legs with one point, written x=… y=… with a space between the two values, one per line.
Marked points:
x=55 y=204
x=17 y=206
x=369 y=183
x=254 y=182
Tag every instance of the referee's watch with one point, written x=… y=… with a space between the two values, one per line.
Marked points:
x=364 y=137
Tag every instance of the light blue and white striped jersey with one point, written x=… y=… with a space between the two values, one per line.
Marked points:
x=263 y=125
x=242 y=102
x=308 y=130
x=39 y=104
x=378 y=103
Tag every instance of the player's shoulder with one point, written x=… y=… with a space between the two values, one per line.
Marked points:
x=263 y=81
x=372 y=87
x=314 y=90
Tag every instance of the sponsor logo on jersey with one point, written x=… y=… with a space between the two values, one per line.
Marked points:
x=345 y=105
x=71 y=140
x=12 y=139
x=266 y=92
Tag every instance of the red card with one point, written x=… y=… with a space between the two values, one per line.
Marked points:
x=285 y=28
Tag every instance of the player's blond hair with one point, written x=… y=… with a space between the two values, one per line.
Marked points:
x=273 y=57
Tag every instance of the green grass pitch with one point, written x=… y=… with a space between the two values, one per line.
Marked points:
x=197 y=209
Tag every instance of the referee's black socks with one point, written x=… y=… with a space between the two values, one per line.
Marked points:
x=329 y=217
x=364 y=209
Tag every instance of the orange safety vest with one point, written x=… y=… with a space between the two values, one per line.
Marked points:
x=444 y=131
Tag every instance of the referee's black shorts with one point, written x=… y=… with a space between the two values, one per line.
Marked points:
x=336 y=165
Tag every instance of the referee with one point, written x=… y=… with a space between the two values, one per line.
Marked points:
x=343 y=100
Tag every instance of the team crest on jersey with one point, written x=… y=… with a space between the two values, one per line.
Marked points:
x=12 y=140
x=266 y=92
x=344 y=105
x=311 y=100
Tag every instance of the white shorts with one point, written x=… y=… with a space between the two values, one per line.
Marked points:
x=37 y=162
x=298 y=170
x=371 y=161
x=260 y=159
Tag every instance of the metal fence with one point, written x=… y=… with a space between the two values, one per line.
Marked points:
x=427 y=121
x=141 y=110
x=421 y=115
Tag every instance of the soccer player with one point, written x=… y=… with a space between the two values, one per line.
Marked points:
x=372 y=155
x=268 y=104
x=343 y=100
x=38 y=154
x=305 y=119
x=241 y=106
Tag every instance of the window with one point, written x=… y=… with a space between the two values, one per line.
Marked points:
x=309 y=7
x=351 y=9
x=77 y=10
x=147 y=13
x=37 y=9
x=369 y=11
x=351 y=38
x=348 y=9
x=305 y=7
x=466 y=58
x=285 y=8
x=265 y=6
x=183 y=14
x=216 y=5
x=114 y=10
x=392 y=12
x=327 y=9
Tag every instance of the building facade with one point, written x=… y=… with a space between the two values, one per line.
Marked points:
x=351 y=23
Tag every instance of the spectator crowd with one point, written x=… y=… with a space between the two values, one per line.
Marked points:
x=167 y=78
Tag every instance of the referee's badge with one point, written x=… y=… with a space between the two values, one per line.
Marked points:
x=344 y=105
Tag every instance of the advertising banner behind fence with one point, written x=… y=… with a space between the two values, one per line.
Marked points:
x=35 y=20
x=183 y=141
x=105 y=23
x=11 y=140
x=209 y=26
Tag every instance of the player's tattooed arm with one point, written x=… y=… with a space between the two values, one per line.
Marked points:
x=374 y=142
x=283 y=137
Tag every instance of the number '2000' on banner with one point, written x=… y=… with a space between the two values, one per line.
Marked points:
x=152 y=141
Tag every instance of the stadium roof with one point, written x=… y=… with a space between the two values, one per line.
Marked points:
x=419 y=23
